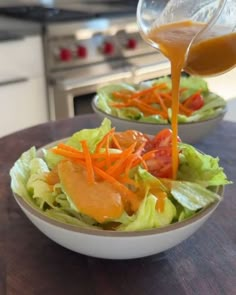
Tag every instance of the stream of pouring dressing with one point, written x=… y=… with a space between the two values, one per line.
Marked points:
x=214 y=55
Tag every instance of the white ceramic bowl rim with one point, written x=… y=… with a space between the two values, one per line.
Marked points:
x=94 y=106
x=108 y=233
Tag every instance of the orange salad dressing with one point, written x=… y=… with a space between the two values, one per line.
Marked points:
x=211 y=56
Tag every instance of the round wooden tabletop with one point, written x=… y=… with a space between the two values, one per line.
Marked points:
x=32 y=264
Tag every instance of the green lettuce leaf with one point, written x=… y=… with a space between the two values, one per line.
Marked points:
x=68 y=218
x=37 y=186
x=185 y=214
x=20 y=173
x=131 y=113
x=192 y=196
x=153 y=119
x=148 y=217
x=200 y=168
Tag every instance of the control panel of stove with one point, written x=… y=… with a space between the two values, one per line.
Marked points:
x=67 y=52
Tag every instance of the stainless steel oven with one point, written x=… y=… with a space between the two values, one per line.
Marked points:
x=89 y=44
x=100 y=51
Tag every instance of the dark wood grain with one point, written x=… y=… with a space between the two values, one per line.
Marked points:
x=31 y=264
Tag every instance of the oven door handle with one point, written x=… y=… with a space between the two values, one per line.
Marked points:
x=71 y=84
x=142 y=70
x=13 y=81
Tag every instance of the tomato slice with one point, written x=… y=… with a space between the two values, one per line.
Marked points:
x=194 y=102
x=161 y=164
x=163 y=139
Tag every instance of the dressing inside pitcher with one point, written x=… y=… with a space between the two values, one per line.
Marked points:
x=197 y=37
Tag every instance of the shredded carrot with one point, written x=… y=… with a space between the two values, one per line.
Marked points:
x=138 y=161
x=160 y=100
x=182 y=108
x=88 y=161
x=68 y=148
x=145 y=98
x=123 y=156
x=148 y=90
x=111 y=167
x=122 y=95
x=66 y=153
x=104 y=139
x=116 y=142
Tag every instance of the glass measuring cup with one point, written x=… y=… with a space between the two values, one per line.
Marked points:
x=217 y=23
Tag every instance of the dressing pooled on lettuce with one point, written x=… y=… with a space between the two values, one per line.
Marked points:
x=151 y=101
x=121 y=181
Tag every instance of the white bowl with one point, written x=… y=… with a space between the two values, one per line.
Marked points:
x=188 y=132
x=112 y=244
x=115 y=245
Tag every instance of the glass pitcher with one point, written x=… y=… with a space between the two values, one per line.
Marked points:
x=211 y=48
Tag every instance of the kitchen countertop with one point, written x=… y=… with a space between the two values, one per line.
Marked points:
x=18 y=27
x=32 y=264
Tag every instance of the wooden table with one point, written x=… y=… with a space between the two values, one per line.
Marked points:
x=31 y=264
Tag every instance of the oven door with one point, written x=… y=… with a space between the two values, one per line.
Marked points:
x=71 y=96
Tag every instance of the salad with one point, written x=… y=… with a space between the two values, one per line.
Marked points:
x=151 y=101
x=121 y=181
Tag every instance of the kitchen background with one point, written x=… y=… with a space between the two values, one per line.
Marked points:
x=54 y=55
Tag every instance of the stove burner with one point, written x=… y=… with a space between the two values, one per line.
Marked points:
x=44 y=14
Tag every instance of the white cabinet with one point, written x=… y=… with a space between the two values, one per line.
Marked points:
x=23 y=100
x=22 y=105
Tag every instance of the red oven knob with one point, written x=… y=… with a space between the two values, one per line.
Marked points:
x=108 y=48
x=65 y=54
x=131 y=44
x=82 y=51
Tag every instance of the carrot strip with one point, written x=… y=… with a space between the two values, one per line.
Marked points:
x=129 y=166
x=66 y=153
x=120 y=104
x=123 y=157
x=161 y=101
x=107 y=159
x=138 y=161
x=104 y=139
x=148 y=90
x=185 y=110
x=68 y=148
x=116 y=142
x=88 y=161
x=99 y=156
x=146 y=108
x=122 y=95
